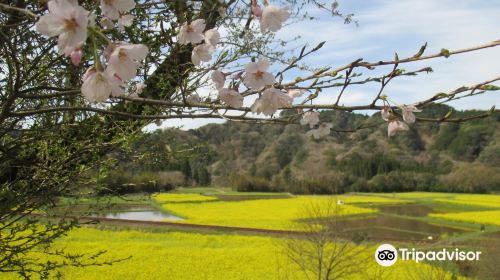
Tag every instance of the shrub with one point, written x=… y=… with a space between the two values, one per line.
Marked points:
x=472 y=178
x=245 y=183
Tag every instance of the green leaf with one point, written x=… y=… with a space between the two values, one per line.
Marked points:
x=421 y=51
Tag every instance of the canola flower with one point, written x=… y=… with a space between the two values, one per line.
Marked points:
x=193 y=256
x=173 y=197
x=485 y=200
x=476 y=217
x=278 y=214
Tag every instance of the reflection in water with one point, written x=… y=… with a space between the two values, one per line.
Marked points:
x=391 y=227
x=414 y=210
x=155 y=216
x=394 y=222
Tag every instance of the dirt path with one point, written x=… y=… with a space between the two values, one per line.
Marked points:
x=181 y=226
x=202 y=228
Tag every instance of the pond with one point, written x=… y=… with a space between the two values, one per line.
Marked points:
x=386 y=227
x=397 y=222
x=138 y=212
x=154 y=216
x=414 y=210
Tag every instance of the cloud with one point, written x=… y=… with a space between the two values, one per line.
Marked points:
x=403 y=26
x=388 y=26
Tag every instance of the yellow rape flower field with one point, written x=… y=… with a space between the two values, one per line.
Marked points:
x=171 y=197
x=485 y=200
x=265 y=213
x=476 y=217
x=191 y=256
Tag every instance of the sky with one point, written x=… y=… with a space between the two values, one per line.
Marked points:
x=402 y=26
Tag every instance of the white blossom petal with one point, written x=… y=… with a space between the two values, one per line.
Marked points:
x=191 y=32
x=270 y=101
x=256 y=76
x=273 y=18
x=202 y=53
x=212 y=37
x=231 y=97
x=395 y=126
x=218 y=78
x=310 y=118
x=124 y=60
x=113 y=8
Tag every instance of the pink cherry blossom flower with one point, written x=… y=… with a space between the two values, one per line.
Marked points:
x=270 y=101
x=395 y=126
x=99 y=85
x=68 y=21
x=294 y=93
x=191 y=32
x=310 y=118
x=124 y=60
x=273 y=18
x=202 y=53
x=193 y=98
x=385 y=113
x=256 y=11
x=139 y=88
x=76 y=57
x=125 y=21
x=238 y=75
x=407 y=111
x=322 y=131
x=218 y=78
x=114 y=8
x=231 y=97
x=212 y=37
x=256 y=76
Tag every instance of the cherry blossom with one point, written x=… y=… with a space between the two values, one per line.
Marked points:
x=212 y=37
x=76 y=57
x=68 y=21
x=99 y=85
x=385 y=113
x=231 y=97
x=310 y=118
x=256 y=76
x=202 y=53
x=322 y=131
x=294 y=93
x=256 y=11
x=193 y=98
x=139 y=88
x=218 y=78
x=270 y=101
x=191 y=33
x=114 y=8
x=273 y=18
x=124 y=60
x=395 y=126
x=125 y=21
x=407 y=111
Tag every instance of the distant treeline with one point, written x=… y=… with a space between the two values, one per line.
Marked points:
x=430 y=157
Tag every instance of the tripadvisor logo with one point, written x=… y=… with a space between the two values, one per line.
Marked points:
x=387 y=255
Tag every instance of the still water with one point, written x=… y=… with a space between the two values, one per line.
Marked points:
x=154 y=216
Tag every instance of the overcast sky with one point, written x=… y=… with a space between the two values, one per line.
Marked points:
x=402 y=26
